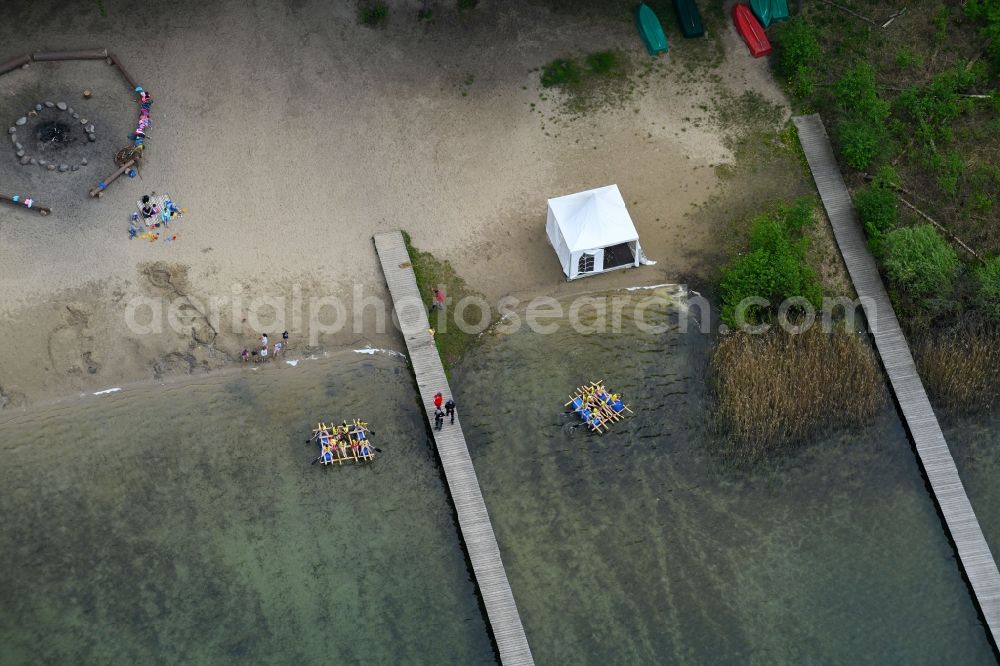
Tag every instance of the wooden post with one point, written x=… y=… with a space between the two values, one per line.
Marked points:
x=14 y=63
x=42 y=210
x=89 y=54
x=98 y=191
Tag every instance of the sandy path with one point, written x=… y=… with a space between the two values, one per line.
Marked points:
x=292 y=134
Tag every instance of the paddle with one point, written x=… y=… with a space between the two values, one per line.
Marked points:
x=320 y=456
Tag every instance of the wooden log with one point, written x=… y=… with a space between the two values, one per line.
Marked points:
x=88 y=54
x=128 y=77
x=851 y=12
x=42 y=210
x=14 y=63
x=941 y=227
x=98 y=191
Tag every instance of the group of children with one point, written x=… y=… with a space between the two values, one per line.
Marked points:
x=439 y=415
x=596 y=406
x=266 y=351
x=153 y=213
x=348 y=441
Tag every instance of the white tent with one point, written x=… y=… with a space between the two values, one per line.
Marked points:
x=592 y=232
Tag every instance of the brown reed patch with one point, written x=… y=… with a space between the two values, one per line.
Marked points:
x=961 y=369
x=776 y=389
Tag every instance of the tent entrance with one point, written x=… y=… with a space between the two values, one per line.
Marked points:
x=618 y=255
x=586 y=264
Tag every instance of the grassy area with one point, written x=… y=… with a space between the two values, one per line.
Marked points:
x=590 y=81
x=432 y=273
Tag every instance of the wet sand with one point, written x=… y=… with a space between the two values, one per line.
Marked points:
x=292 y=134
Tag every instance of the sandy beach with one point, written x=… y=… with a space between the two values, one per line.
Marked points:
x=291 y=134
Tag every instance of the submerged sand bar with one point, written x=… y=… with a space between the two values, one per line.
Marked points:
x=473 y=519
x=938 y=464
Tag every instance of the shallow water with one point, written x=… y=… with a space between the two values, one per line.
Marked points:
x=644 y=546
x=184 y=524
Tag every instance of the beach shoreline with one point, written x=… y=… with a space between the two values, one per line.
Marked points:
x=292 y=135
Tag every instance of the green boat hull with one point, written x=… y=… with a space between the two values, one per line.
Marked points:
x=779 y=10
x=689 y=18
x=762 y=10
x=651 y=30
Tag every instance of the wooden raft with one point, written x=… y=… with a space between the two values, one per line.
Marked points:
x=344 y=443
x=597 y=406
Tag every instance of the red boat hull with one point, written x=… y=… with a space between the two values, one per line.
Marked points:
x=751 y=31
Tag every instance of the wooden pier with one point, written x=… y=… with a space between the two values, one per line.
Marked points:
x=938 y=464
x=473 y=519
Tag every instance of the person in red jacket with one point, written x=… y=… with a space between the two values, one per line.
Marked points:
x=438 y=301
x=438 y=400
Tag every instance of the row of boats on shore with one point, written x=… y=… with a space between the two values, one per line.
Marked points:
x=750 y=21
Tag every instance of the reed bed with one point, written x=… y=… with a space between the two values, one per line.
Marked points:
x=961 y=369
x=776 y=389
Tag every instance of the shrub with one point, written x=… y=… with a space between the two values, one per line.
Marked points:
x=803 y=82
x=560 y=72
x=467 y=4
x=988 y=11
x=988 y=289
x=798 y=47
x=857 y=95
x=877 y=209
x=920 y=262
x=798 y=215
x=603 y=62
x=860 y=142
x=773 y=269
x=798 y=54
x=949 y=170
x=886 y=177
x=907 y=57
x=861 y=127
x=374 y=15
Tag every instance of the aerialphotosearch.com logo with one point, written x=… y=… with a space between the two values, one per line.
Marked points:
x=654 y=312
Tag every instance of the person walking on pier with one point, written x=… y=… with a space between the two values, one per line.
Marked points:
x=438 y=418
x=449 y=409
x=438 y=400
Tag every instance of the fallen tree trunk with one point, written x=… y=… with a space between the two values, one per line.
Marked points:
x=118 y=63
x=89 y=54
x=940 y=226
x=14 y=63
x=42 y=210
x=103 y=185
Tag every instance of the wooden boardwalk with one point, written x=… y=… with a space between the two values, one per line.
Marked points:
x=938 y=464
x=473 y=519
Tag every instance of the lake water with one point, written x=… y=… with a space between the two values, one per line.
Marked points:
x=975 y=443
x=643 y=545
x=183 y=523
